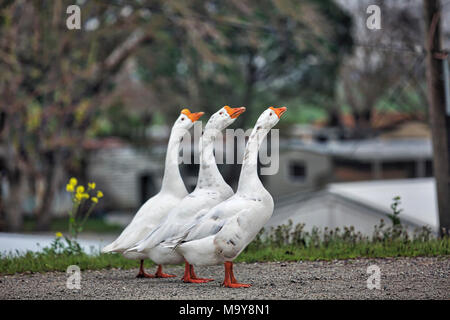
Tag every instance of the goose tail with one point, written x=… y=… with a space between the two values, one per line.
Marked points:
x=109 y=248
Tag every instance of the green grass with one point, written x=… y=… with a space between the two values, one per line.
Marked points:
x=96 y=225
x=284 y=243
x=43 y=262
x=436 y=247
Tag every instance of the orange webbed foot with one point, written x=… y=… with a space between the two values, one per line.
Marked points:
x=230 y=280
x=164 y=275
x=190 y=280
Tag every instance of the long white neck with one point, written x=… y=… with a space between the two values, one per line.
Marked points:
x=249 y=181
x=172 y=181
x=209 y=175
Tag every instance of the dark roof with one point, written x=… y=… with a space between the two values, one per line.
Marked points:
x=368 y=150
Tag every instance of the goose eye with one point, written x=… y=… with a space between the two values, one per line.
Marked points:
x=221 y=112
x=270 y=114
x=182 y=119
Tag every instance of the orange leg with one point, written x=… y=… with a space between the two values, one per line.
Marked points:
x=194 y=276
x=187 y=271
x=142 y=273
x=160 y=274
x=190 y=276
x=230 y=281
x=233 y=279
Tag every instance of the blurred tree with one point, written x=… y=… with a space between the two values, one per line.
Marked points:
x=55 y=82
x=51 y=81
x=250 y=53
x=384 y=63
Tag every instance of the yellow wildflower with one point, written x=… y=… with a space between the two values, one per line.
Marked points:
x=58 y=234
x=99 y=194
x=91 y=185
x=84 y=196
x=78 y=197
x=73 y=181
x=80 y=189
x=94 y=199
x=70 y=188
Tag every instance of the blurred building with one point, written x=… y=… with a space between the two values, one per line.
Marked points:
x=327 y=181
x=128 y=176
x=360 y=204
x=309 y=167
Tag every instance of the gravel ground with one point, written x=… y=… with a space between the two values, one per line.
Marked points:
x=401 y=278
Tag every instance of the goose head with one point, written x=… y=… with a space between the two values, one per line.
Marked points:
x=186 y=119
x=224 y=117
x=269 y=118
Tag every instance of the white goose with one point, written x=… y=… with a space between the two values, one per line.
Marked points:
x=211 y=189
x=154 y=210
x=222 y=233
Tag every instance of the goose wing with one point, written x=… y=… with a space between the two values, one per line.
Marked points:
x=210 y=223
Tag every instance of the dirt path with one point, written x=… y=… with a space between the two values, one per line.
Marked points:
x=401 y=278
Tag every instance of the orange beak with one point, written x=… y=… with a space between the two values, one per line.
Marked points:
x=279 y=111
x=234 y=112
x=194 y=116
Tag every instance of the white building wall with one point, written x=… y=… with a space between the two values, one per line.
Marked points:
x=327 y=210
x=116 y=171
